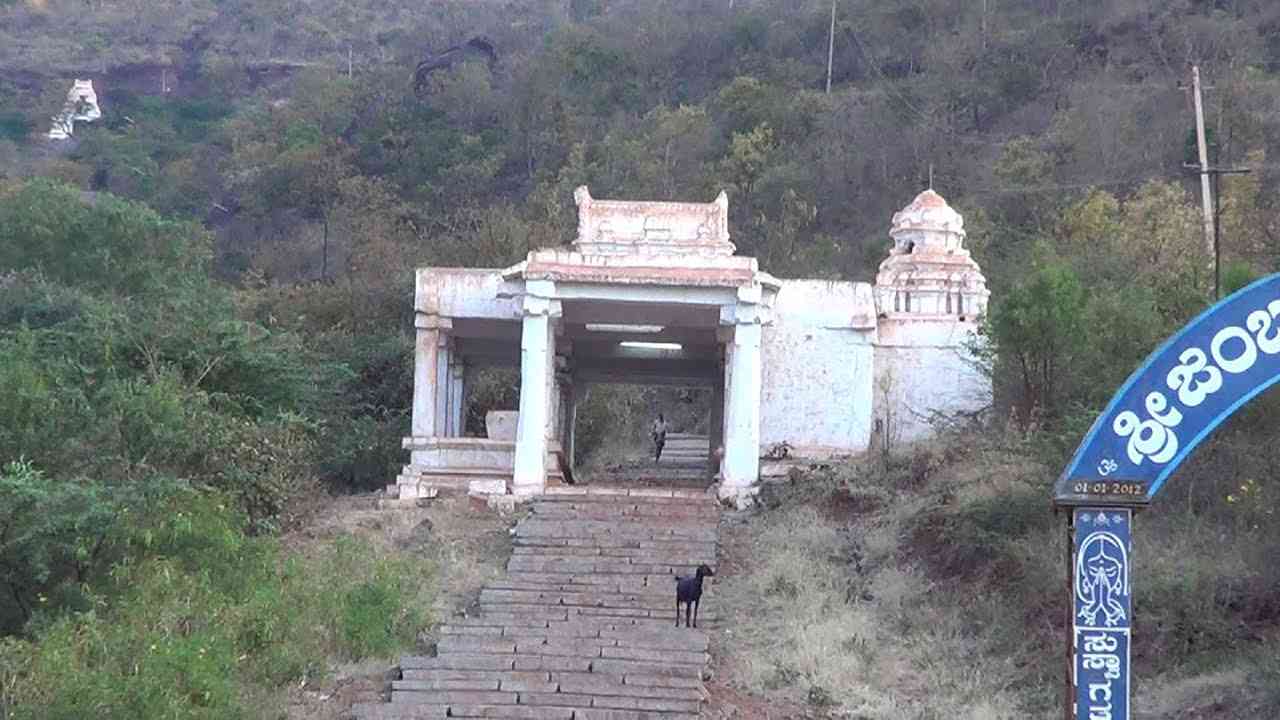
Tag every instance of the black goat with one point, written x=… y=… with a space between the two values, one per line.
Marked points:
x=689 y=592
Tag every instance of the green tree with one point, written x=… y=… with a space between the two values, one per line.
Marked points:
x=52 y=532
x=103 y=243
x=1036 y=327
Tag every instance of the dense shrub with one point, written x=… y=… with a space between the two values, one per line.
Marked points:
x=200 y=609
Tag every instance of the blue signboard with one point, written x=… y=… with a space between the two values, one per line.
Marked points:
x=1103 y=612
x=1218 y=362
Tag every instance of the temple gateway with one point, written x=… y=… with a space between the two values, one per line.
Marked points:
x=652 y=293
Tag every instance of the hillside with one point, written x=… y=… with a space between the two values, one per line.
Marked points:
x=206 y=329
x=1018 y=108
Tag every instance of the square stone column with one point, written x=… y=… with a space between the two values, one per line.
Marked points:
x=457 y=394
x=426 y=373
x=537 y=368
x=740 y=467
x=444 y=382
x=577 y=394
x=715 y=430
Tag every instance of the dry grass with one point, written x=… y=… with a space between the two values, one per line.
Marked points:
x=466 y=547
x=880 y=643
x=932 y=589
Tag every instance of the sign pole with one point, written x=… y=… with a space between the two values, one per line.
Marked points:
x=1101 y=611
x=1069 y=697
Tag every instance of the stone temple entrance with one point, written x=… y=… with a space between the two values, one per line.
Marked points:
x=651 y=293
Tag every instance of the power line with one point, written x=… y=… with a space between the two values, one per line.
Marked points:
x=1031 y=189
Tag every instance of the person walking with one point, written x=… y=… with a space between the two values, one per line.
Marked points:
x=659 y=432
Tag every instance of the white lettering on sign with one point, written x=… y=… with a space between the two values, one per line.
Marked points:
x=1259 y=322
x=1100 y=654
x=1233 y=349
x=1195 y=378
x=1153 y=438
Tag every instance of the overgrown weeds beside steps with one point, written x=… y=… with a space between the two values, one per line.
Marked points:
x=936 y=580
x=208 y=620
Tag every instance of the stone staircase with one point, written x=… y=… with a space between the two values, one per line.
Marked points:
x=582 y=626
x=683 y=464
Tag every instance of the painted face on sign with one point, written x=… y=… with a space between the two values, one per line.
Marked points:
x=1102 y=584
x=1104 y=572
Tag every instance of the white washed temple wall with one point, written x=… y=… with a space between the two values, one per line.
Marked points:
x=923 y=374
x=818 y=368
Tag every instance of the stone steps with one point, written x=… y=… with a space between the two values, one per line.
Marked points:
x=582 y=625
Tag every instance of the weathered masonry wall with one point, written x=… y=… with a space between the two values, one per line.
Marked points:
x=924 y=375
x=818 y=366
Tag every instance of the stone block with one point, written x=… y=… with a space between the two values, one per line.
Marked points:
x=501 y=424
x=651 y=655
x=487 y=487
x=451 y=697
x=584 y=648
x=502 y=504
x=444 y=684
x=465 y=644
x=387 y=711
x=553 y=663
x=555 y=698
x=662 y=681
x=610 y=666
x=459 y=661
x=513 y=712
x=417 y=491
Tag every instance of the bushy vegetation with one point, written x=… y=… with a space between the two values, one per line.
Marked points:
x=194 y=615
x=153 y=440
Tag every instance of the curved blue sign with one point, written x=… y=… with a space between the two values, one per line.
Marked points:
x=1198 y=378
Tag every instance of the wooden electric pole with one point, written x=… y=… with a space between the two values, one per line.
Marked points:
x=831 y=44
x=1206 y=200
x=1209 y=200
x=1215 y=222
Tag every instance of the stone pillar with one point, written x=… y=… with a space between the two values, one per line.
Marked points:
x=577 y=393
x=537 y=367
x=457 y=393
x=426 y=373
x=563 y=391
x=740 y=468
x=715 y=430
x=444 y=381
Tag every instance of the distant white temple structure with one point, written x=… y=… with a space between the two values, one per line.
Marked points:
x=652 y=293
x=81 y=106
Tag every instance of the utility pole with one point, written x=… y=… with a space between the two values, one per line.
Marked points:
x=1209 y=200
x=349 y=64
x=1205 y=195
x=1215 y=224
x=831 y=44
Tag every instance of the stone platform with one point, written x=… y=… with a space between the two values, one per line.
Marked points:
x=582 y=626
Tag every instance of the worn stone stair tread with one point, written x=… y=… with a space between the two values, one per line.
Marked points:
x=455 y=697
x=607 y=495
x=581 y=626
x=389 y=711
x=516 y=712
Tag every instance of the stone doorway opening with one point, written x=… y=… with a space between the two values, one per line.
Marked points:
x=615 y=444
